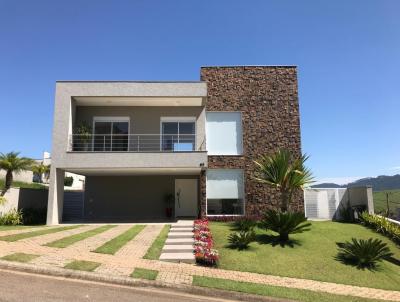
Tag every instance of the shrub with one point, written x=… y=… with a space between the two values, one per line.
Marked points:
x=363 y=253
x=13 y=217
x=33 y=216
x=381 y=225
x=285 y=223
x=245 y=224
x=242 y=239
x=68 y=181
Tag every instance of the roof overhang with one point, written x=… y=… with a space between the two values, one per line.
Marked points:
x=138 y=101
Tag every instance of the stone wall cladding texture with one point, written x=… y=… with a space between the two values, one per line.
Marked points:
x=267 y=97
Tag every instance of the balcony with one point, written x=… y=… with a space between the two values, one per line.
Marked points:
x=133 y=143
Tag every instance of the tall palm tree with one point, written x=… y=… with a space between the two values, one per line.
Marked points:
x=284 y=172
x=40 y=170
x=11 y=162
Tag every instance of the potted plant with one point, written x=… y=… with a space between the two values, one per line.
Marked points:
x=83 y=135
x=169 y=201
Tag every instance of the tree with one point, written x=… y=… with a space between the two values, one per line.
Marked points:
x=12 y=163
x=284 y=172
x=40 y=170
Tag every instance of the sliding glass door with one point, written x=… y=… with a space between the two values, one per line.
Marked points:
x=178 y=136
x=110 y=135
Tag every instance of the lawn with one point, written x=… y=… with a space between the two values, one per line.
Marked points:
x=380 y=200
x=274 y=291
x=20 y=257
x=81 y=265
x=46 y=231
x=143 y=273
x=113 y=246
x=67 y=241
x=20 y=184
x=154 y=251
x=311 y=255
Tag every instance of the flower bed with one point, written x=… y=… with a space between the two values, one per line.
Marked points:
x=203 y=244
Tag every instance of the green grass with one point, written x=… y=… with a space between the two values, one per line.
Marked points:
x=25 y=235
x=274 y=291
x=380 y=200
x=155 y=249
x=4 y=228
x=112 y=246
x=21 y=184
x=20 y=257
x=143 y=273
x=81 y=265
x=310 y=257
x=67 y=241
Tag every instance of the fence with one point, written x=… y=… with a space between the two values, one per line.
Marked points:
x=327 y=203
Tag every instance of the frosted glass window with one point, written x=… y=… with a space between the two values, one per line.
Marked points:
x=225 y=192
x=224 y=133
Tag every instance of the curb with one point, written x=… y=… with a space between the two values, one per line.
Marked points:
x=127 y=281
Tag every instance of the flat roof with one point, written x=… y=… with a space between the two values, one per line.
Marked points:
x=118 y=81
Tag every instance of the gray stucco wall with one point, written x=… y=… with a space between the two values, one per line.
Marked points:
x=128 y=198
x=145 y=120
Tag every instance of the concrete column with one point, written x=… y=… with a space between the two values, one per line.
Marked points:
x=56 y=196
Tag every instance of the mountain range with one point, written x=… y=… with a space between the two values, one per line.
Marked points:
x=379 y=183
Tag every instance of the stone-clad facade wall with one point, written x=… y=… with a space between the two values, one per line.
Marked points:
x=268 y=99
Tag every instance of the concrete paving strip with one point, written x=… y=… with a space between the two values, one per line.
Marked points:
x=171 y=241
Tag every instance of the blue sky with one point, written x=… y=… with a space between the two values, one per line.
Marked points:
x=347 y=53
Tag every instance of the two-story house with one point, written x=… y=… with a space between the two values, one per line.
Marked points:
x=138 y=142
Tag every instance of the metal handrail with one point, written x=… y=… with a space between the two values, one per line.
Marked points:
x=132 y=142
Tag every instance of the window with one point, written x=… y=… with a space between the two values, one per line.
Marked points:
x=224 y=133
x=225 y=192
x=110 y=134
x=178 y=134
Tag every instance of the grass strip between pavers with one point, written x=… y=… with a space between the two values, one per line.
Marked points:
x=4 y=228
x=82 y=265
x=274 y=291
x=113 y=246
x=67 y=241
x=142 y=273
x=25 y=235
x=20 y=257
x=154 y=252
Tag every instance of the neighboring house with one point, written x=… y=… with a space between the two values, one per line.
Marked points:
x=194 y=140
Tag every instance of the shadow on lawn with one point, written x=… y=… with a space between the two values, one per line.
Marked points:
x=274 y=241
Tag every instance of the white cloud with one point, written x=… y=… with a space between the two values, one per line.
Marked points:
x=338 y=180
x=395 y=168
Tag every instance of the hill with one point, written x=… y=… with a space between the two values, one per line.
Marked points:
x=380 y=183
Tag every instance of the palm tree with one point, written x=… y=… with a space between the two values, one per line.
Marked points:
x=11 y=162
x=284 y=172
x=40 y=170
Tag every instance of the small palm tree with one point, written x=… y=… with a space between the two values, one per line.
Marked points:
x=12 y=163
x=40 y=170
x=284 y=172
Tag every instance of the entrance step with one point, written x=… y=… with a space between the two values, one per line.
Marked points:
x=173 y=241
x=180 y=235
x=181 y=229
x=178 y=248
x=179 y=244
x=178 y=257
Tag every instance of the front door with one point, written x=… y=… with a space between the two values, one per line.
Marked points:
x=186 y=197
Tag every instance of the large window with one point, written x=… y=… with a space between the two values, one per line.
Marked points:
x=178 y=134
x=225 y=192
x=224 y=133
x=110 y=134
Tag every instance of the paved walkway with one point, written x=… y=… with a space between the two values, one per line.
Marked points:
x=130 y=257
